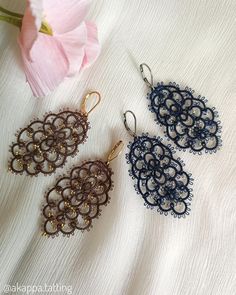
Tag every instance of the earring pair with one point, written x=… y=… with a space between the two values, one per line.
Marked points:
x=187 y=120
x=45 y=145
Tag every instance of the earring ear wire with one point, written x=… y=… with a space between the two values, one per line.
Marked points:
x=115 y=152
x=85 y=100
x=145 y=79
x=130 y=131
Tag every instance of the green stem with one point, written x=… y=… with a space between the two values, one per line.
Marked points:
x=10 y=12
x=11 y=20
x=16 y=20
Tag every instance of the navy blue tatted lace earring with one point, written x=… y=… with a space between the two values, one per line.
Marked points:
x=187 y=120
x=159 y=176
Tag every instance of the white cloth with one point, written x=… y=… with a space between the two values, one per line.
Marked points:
x=130 y=250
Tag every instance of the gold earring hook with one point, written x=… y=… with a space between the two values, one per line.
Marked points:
x=145 y=79
x=131 y=132
x=85 y=99
x=115 y=152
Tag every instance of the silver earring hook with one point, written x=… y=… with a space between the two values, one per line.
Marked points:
x=145 y=79
x=131 y=132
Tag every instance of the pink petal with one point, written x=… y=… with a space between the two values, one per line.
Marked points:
x=65 y=15
x=92 y=48
x=73 y=44
x=49 y=66
x=31 y=24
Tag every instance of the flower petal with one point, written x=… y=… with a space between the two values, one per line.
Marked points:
x=73 y=43
x=92 y=48
x=63 y=15
x=31 y=24
x=49 y=66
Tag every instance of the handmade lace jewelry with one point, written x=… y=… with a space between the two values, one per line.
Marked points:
x=159 y=176
x=44 y=145
x=186 y=118
x=76 y=199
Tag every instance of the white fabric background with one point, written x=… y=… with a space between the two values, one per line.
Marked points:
x=130 y=250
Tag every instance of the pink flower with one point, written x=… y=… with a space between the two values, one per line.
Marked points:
x=56 y=42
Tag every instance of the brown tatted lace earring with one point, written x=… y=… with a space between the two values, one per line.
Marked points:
x=76 y=199
x=44 y=145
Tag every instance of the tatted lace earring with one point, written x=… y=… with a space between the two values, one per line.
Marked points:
x=159 y=176
x=186 y=118
x=44 y=145
x=76 y=199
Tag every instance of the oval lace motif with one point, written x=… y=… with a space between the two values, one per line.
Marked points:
x=159 y=177
x=187 y=119
x=44 y=145
x=76 y=199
